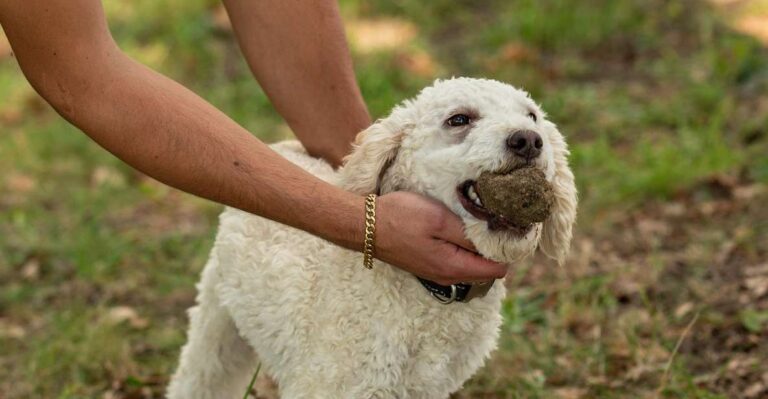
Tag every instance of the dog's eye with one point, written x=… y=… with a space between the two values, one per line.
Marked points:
x=532 y=116
x=458 y=120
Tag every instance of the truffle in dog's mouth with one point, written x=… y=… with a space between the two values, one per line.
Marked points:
x=513 y=201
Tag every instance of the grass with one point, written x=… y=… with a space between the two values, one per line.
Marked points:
x=249 y=390
x=663 y=103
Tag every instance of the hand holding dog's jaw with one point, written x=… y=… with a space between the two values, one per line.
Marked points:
x=423 y=237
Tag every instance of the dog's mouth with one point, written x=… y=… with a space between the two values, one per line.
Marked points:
x=471 y=201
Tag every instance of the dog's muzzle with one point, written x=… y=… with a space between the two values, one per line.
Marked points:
x=462 y=292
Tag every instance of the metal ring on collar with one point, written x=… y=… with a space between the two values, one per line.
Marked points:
x=446 y=300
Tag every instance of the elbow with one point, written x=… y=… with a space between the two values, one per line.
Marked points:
x=66 y=82
x=57 y=93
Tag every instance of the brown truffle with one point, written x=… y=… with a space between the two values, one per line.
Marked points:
x=522 y=197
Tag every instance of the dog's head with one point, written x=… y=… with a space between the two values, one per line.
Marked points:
x=439 y=143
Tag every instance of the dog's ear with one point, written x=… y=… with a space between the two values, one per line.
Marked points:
x=373 y=152
x=558 y=228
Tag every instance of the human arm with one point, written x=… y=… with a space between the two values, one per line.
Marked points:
x=299 y=54
x=157 y=126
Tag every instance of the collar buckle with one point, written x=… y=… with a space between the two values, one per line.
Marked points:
x=446 y=300
x=462 y=292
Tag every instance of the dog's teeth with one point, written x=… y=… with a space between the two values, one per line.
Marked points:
x=473 y=196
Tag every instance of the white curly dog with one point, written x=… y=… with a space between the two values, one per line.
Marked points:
x=323 y=326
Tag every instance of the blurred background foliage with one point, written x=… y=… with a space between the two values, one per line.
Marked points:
x=665 y=105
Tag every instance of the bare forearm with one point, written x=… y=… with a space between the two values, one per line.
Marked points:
x=298 y=52
x=162 y=129
x=169 y=133
x=166 y=131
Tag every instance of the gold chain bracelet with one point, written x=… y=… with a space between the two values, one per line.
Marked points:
x=370 y=230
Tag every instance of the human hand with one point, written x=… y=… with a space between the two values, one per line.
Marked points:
x=423 y=237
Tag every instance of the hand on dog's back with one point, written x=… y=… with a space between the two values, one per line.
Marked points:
x=422 y=236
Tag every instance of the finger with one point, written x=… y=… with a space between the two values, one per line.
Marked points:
x=470 y=266
x=453 y=232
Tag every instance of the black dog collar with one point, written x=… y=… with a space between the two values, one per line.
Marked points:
x=462 y=292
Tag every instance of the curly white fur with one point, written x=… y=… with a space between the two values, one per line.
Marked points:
x=323 y=326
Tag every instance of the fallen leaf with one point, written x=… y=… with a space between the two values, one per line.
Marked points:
x=683 y=309
x=20 y=183
x=740 y=365
x=123 y=314
x=755 y=26
x=371 y=35
x=517 y=52
x=596 y=380
x=570 y=392
x=417 y=63
x=725 y=251
x=639 y=371
x=756 y=270
x=10 y=116
x=654 y=228
x=10 y=330
x=746 y=193
x=756 y=390
x=757 y=286
x=31 y=270
x=104 y=176
x=674 y=209
x=111 y=395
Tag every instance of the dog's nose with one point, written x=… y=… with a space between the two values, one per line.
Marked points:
x=525 y=143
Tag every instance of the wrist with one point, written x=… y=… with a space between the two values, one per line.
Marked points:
x=352 y=230
x=343 y=222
